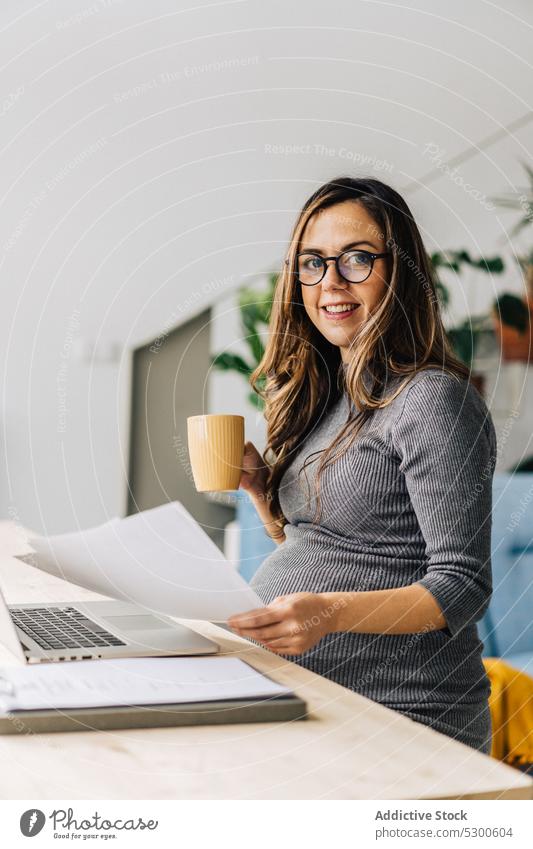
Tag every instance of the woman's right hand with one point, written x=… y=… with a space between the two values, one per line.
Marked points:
x=253 y=480
x=254 y=472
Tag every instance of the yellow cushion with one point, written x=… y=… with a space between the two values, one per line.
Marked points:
x=511 y=710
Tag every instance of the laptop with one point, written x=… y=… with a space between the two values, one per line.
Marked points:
x=37 y=633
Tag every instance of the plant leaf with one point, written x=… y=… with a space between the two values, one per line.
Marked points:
x=507 y=201
x=462 y=340
x=227 y=361
x=454 y=259
x=512 y=311
x=494 y=265
x=441 y=260
x=529 y=171
x=442 y=292
x=256 y=400
x=255 y=308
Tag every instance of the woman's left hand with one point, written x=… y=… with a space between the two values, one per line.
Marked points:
x=290 y=625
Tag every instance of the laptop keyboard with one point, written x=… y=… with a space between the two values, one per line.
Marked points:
x=62 y=628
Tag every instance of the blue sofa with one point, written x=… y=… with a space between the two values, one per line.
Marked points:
x=507 y=627
x=254 y=543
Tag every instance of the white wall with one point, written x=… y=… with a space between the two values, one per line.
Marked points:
x=153 y=156
x=228 y=391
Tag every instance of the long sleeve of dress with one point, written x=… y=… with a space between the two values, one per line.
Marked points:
x=447 y=449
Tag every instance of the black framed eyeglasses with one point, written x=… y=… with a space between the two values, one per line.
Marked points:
x=354 y=266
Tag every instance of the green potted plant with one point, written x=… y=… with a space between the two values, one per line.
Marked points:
x=465 y=337
x=512 y=318
x=255 y=308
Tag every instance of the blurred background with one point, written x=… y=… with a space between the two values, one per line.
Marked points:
x=153 y=159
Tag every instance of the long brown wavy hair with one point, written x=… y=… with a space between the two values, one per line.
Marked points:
x=300 y=375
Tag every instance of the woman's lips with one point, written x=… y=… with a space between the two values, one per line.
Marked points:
x=339 y=316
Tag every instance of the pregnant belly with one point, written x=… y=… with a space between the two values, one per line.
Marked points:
x=431 y=677
x=311 y=562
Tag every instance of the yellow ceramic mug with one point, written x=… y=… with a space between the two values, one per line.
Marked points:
x=216 y=450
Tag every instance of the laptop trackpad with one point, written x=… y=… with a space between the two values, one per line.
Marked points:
x=135 y=622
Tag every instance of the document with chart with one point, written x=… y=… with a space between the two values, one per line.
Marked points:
x=161 y=559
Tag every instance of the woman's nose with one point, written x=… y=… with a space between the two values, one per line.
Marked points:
x=332 y=278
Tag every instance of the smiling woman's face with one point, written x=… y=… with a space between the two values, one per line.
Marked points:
x=329 y=232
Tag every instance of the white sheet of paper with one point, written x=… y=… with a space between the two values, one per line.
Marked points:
x=160 y=559
x=132 y=681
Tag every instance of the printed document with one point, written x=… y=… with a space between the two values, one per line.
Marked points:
x=132 y=681
x=161 y=559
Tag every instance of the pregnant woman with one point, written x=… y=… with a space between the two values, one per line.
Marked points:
x=376 y=481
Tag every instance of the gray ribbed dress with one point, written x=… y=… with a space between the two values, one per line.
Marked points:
x=409 y=502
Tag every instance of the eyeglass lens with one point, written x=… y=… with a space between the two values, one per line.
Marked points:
x=355 y=266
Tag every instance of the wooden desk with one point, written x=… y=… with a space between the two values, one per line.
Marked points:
x=350 y=748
